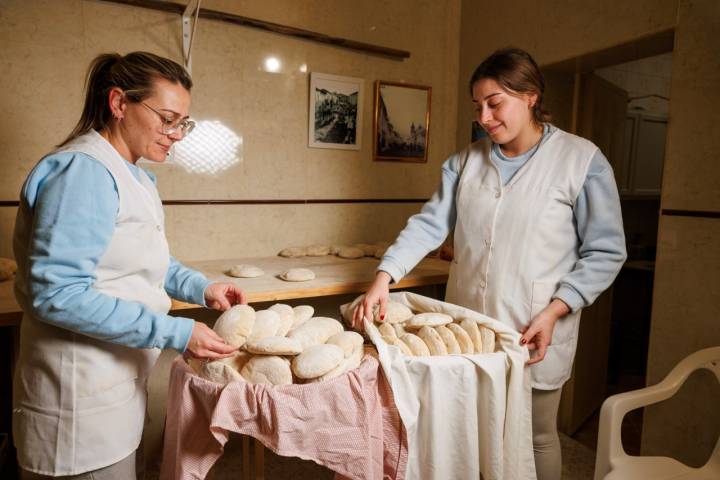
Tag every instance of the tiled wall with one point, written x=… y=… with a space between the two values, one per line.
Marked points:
x=47 y=45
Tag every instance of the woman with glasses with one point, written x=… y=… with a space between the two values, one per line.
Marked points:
x=95 y=276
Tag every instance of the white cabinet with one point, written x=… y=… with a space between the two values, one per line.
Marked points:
x=641 y=166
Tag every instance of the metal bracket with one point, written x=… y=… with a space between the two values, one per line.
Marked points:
x=189 y=24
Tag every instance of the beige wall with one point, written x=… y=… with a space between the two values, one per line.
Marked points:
x=47 y=45
x=552 y=31
x=687 y=280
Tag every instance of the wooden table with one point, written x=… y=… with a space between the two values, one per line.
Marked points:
x=333 y=276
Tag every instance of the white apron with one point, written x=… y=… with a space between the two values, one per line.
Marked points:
x=79 y=403
x=514 y=243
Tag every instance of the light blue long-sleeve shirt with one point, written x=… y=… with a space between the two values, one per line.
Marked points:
x=597 y=217
x=73 y=201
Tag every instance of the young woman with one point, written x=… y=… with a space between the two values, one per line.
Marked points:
x=537 y=231
x=95 y=276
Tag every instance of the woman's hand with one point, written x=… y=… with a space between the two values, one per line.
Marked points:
x=206 y=344
x=538 y=335
x=379 y=292
x=222 y=296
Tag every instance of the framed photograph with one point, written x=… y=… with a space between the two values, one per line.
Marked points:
x=401 y=127
x=335 y=117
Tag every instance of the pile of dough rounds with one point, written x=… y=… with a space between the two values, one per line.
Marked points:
x=281 y=346
x=430 y=333
x=8 y=267
x=359 y=250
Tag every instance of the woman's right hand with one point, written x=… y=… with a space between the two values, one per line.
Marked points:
x=206 y=344
x=379 y=292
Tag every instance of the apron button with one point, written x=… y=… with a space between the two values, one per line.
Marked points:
x=497 y=194
x=159 y=228
x=483 y=284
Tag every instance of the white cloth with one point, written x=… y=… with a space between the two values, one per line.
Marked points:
x=514 y=243
x=80 y=402
x=465 y=415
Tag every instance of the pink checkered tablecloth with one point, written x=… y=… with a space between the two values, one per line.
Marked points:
x=348 y=424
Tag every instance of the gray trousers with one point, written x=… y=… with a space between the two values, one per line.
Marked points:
x=546 y=442
x=122 y=470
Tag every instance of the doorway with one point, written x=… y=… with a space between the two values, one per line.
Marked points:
x=620 y=100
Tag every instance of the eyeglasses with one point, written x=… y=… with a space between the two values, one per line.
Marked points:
x=171 y=126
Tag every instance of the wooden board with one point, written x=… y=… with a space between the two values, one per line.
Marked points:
x=333 y=276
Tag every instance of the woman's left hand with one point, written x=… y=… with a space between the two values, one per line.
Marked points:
x=538 y=335
x=222 y=296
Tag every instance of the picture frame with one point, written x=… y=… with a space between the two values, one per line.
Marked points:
x=401 y=124
x=335 y=113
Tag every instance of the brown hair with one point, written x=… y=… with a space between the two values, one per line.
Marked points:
x=134 y=72
x=516 y=71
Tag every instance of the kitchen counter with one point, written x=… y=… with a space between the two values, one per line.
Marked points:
x=333 y=276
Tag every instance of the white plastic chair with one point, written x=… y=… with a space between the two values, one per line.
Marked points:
x=612 y=463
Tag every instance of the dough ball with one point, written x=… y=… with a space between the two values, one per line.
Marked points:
x=350 y=362
x=287 y=318
x=416 y=345
x=350 y=252
x=298 y=275
x=267 y=369
x=317 y=360
x=399 y=329
x=430 y=319
x=395 y=312
x=236 y=324
x=368 y=250
x=303 y=313
x=387 y=330
x=293 y=252
x=404 y=349
x=316 y=331
x=245 y=271
x=267 y=324
x=488 y=339
x=348 y=341
x=448 y=338
x=8 y=267
x=275 y=345
x=318 y=250
x=433 y=341
x=219 y=372
x=471 y=328
x=462 y=337
x=237 y=361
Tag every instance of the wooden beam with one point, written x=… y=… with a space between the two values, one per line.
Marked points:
x=177 y=8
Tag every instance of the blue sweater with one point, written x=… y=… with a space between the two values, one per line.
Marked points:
x=597 y=217
x=74 y=202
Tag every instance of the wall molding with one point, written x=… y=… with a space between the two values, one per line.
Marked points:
x=690 y=213
x=309 y=201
